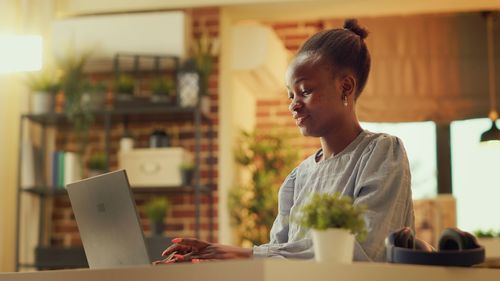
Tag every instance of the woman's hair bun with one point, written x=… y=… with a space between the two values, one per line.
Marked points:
x=352 y=25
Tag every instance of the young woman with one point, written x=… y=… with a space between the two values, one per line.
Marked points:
x=324 y=82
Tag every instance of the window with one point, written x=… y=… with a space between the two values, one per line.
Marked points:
x=475 y=176
x=419 y=139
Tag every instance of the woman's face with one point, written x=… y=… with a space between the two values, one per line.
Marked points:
x=315 y=95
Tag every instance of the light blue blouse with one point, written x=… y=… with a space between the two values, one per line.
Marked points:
x=373 y=170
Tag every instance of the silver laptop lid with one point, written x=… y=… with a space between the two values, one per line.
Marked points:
x=108 y=221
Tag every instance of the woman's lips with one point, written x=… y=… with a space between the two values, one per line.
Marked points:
x=300 y=120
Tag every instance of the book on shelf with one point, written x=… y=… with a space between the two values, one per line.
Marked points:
x=66 y=168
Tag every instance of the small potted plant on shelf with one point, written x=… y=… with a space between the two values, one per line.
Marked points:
x=44 y=86
x=204 y=52
x=162 y=90
x=156 y=210
x=334 y=221
x=97 y=164
x=187 y=173
x=123 y=87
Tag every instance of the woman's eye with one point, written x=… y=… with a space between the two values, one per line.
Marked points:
x=305 y=93
x=290 y=96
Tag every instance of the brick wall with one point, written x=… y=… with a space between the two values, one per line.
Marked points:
x=180 y=219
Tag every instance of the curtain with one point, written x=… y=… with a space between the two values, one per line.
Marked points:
x=427 y=67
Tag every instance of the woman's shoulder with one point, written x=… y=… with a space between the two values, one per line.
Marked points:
x=385 y=147
x=381 y=141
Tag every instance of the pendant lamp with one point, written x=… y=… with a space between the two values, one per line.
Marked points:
x=493 y=134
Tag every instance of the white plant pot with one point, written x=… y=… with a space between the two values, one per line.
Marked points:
x=333 y=245
x=41 y=102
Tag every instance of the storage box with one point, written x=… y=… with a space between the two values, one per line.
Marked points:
x=154 y=167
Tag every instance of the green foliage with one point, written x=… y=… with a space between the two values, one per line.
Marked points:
x=254 y=205
x=162 y=87
x=204 y=51
x=486 y=233
x=124 y=84
x=97 y=161
x=187 y=166
x=73 y=85
x=44 y=81
x=93 y=87
x=72 y=76
x=157 y=208
x=325 y=211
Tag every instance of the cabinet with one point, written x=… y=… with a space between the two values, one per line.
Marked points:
x=56 y=257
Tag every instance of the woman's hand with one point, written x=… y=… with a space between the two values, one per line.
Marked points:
x=194 y=250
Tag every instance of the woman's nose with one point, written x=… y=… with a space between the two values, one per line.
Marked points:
x=295 y=104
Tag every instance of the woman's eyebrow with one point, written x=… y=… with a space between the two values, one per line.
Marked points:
x=298 y=80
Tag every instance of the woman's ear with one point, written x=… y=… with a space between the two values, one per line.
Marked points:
x=348 y=85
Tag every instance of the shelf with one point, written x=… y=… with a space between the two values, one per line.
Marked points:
x=60 y=257
x=48 y=191
x=153 y=112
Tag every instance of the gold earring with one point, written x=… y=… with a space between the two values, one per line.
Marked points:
x=344 y=98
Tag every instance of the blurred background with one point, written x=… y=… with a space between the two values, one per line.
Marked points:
x=189 y=97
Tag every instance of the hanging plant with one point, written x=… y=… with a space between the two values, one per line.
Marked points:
x=204 y=51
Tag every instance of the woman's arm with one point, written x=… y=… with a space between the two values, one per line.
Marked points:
x=279 y=245
x=383 y=186
x=198 y=249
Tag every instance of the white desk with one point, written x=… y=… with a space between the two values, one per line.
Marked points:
x=264 y=270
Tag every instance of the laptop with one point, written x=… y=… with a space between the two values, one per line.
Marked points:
x=108 y=222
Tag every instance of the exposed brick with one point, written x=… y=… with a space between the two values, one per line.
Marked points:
x=65 y=228
x=183 y=213
x=284 y=114
x=174 y=227
x=204 y=226
x=319 y=25
x=267 y=102
x=285 y=25
x=58 y=215
x=61 y=202
x=76 y=240
x=295 y=37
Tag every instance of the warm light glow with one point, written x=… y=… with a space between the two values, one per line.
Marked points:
x=490 y=144
x=20 y=53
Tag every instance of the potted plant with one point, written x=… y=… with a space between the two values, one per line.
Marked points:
x=162 y=90
x=187 y=172
x=97 y=164
x=334 y=221
x=123 y=87
x=44 y=87
x=205 y=50
x=156 y=210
